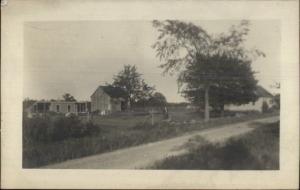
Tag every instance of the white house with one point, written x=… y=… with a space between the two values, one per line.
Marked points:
x=263 y=96
x=59 y=106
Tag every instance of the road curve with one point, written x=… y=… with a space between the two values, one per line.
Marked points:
x=144 y=155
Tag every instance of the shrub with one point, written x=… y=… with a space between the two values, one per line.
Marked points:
x=265 y=107
x=35 y=129
x=56 y=128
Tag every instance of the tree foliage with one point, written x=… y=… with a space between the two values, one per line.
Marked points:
x=231 y=81
x=179 y=43
x=265 y=107
x=158 y=100
x=218 y=64
x=277 y=100
x=135 y=87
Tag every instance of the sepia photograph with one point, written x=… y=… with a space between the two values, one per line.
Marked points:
x=161 y=94
x=158 y=94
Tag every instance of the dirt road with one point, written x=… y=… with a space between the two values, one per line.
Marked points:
x=144 y=155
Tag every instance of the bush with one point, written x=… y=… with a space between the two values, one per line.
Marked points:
x=56 y=128
x=265 y=107
x=49 y=139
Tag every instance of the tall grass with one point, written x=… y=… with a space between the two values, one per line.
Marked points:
x=258 y=150
x=55 y=139
x=39 y=153
x=55 y=128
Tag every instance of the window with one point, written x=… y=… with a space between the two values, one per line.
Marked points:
x=57 y=108
x=69 y=108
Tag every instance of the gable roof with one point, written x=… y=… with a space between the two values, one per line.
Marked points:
x=114 y=92
x=262 y=92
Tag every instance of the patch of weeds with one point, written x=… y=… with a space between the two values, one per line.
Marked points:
x=257 y=150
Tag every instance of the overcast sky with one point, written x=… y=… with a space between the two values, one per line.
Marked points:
x=77 y=57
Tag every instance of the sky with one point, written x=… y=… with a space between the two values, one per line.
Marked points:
x=77 y=56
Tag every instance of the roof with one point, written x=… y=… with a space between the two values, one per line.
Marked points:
x=261 y=92
x=114 y=92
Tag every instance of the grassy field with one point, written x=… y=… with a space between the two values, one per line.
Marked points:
x=104 y=134
x=257 y=150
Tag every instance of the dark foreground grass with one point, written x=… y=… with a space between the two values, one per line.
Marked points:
x=108 y=138
x=257 y=150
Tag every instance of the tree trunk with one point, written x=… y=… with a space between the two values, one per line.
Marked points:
x=206 y=99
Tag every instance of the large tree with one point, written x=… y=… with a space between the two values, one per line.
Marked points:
x=157 y=100
x=209 y=66
x=230 y=81
x=135 y=87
